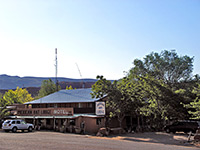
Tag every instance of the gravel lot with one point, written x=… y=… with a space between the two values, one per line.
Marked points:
x=62 y=141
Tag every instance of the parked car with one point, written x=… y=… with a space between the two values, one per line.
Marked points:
x=182 y=126
x=14 y=125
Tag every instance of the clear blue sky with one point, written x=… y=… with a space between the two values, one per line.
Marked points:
x=102 y=36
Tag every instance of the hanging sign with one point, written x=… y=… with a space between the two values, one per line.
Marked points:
x=100 y=108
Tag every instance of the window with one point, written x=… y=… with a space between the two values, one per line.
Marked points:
x=80 y=105
x=75 y=105
x=23 y=122
x=18 y=122
x=13 y=122
x=90 y=105
x=7 y=122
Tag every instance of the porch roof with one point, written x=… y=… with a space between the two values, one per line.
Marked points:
x=57 y=117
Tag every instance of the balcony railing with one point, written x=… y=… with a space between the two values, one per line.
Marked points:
x=84 y=110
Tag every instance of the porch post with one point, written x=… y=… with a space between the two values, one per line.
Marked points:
x=54 y=123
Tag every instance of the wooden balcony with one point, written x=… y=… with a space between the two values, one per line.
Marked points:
x=84 y=110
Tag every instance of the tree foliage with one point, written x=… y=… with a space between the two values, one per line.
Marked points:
x=3 y=110
x=156 y=87
x=166 y=66
x=47 y=87
x=18 y=96
x=194 y=106
x=115 y=101
x=161 y=77
x=69 y=87
x=121 y=97
x=162 y=103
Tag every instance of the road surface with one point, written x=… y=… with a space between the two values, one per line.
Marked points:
x=46 y=140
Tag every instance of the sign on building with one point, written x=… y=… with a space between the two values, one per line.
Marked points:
x=100 y=108
x=45 y=111
x=63 y=112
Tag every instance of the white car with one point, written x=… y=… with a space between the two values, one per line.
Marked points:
x=14 y=125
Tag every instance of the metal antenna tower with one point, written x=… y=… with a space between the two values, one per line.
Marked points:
x=83 y=84
x=56 y=67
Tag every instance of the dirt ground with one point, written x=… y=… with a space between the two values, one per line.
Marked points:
x=157 y=137
x=55 y=140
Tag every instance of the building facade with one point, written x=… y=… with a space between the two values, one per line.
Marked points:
x=66 y=111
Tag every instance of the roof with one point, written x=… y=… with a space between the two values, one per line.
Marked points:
x=67 y=96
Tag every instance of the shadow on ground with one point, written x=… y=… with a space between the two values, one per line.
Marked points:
x=178 y=139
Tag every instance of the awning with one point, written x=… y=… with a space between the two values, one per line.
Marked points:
x=56 y=117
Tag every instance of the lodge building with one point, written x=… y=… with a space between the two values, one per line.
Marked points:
x=65 y=111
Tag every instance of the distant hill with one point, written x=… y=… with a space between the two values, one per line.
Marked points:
x=35 y=90
x=11 y=82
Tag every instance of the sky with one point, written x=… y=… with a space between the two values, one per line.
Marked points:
x=102 y=36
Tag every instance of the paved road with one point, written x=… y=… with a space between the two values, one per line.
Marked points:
x=60 y=141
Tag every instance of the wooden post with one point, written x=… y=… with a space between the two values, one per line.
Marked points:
x=34 y=122
x=54 y=123
x=189 y=136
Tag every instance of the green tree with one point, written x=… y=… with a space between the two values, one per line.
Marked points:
x=161 y=77
x=69 y=87
x=3 y=110
x=47 y=87
x=134 y=98
x=119 y=95
x=162 y=103
x=104 y=88
x=155 y=88
x=194 y=106
x=166 y=66
x=18 y=96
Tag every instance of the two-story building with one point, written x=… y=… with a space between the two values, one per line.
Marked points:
x=65 y=110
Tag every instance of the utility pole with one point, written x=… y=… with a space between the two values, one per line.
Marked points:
x=56 y=67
